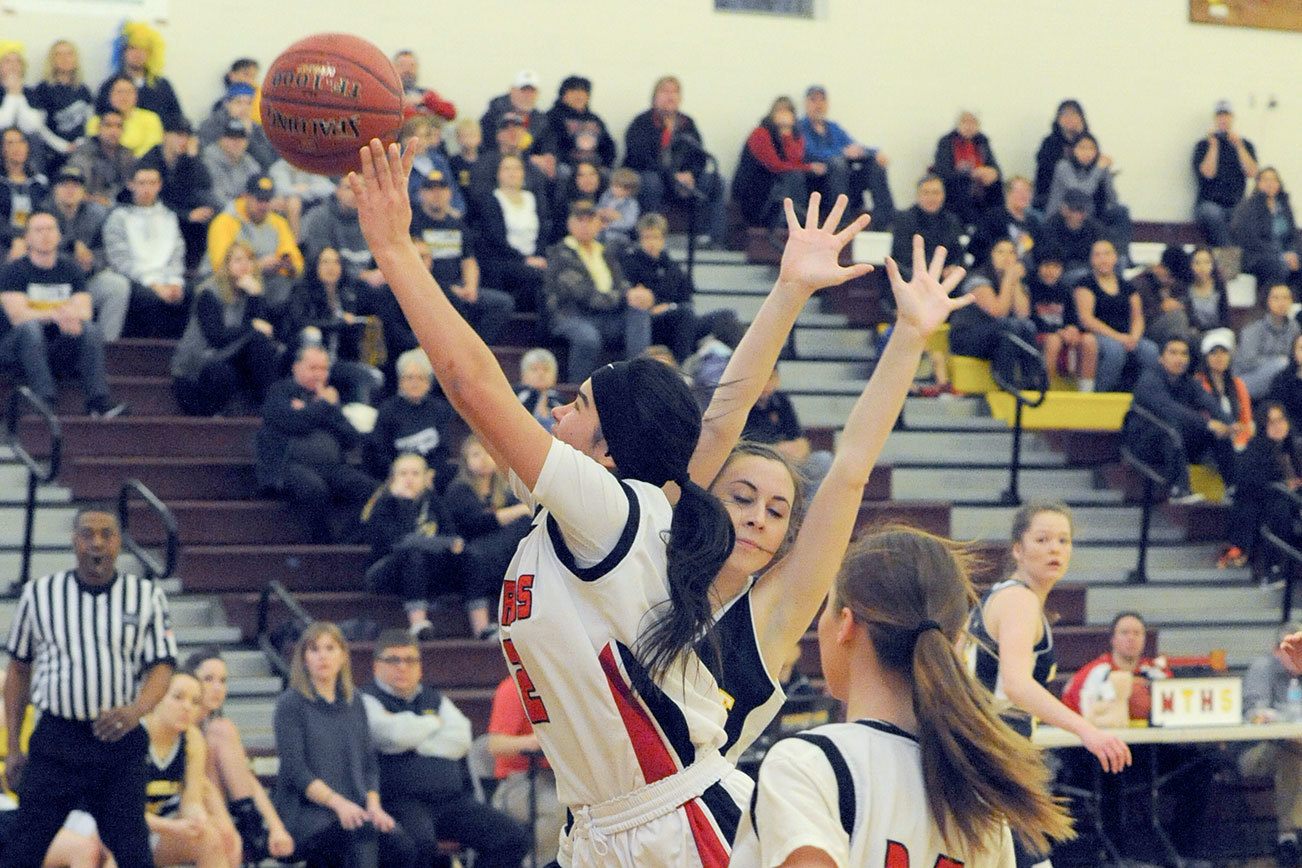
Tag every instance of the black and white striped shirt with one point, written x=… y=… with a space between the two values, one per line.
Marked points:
x=90 y=646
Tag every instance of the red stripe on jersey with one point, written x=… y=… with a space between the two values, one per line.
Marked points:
x=713 y=852
x=652 y=755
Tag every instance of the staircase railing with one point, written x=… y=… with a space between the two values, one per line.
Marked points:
x=1026 y=360
x=1285 y=547
x=274 y=590
x=38 y=472
x=172 y=535
x=1139 y=415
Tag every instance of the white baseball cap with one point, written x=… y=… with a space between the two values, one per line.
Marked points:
x=526 y=78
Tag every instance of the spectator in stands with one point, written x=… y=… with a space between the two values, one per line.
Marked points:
x=929 y=218
x=1090 y=686
x=772 y=168
x=63 y=97
x=229 y=773
x=1209 y=305
x=1263 y=225
x=1265 y=344
x=250 y=219
x=237 y=109
x=1002 y=306
x=1287 y=385
x=513 y=227
x=1108 y=306
x=328 y=786
x=1086 y=170
x=509 y=142
x=415 y=97
x=1265 y=698
x=522 y=101
x=138 y=57
x=451 y=245
x=1073 y=231
x=1054 y=313
x=141 y=128
x=426 y=135
x=16 y=109
x=47 y=327
x=333 y=223
x=618 y=208
x=187 y=186
x=966 y=163
x=301 y=449
x=1172 y=395
x=1223 y=162
x=590 y=304
x=538 y=372
x=666 y=147
x=852 y=168
x=229 y=163
x=704 y=368
x=488 y=515
x=243 y=70
x=773 y=421
x=142 y=242
x=1273 y=456
x=588 y=183
x=1163 y=289
x=22 y=188
x=526 y=784
x=469 y=140
x=1230 y=392
x=1068 y=125
x=104 y=161
x=422 y=740
x=297 y=191
x=577 y=132
x=416 y=421
x=229 y=347
x=673 y=320
x=1013 y=219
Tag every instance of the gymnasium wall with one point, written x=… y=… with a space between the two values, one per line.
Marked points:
x=898 y=71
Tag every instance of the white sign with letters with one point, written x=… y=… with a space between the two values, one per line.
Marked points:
x=1197 y=702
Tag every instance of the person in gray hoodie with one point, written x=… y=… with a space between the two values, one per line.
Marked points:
x=142 y=242
x=238 y=108
x=1265 y=344
x=229 y=163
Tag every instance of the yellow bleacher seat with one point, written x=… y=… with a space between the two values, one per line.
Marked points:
x=1206 y=481
x=1063 y=410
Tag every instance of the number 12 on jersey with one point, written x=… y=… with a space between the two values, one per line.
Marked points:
x=534 y=708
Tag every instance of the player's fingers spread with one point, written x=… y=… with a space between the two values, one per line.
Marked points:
x=955 y=277
x=811 y=214
x=856 y=226
x=892 y=271
x=838 y=211
x=368 y=165
x=937 y=261
x=793 y=223
x=919 y=255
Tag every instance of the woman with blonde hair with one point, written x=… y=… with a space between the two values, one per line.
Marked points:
x=327 y=789
x=63 y=96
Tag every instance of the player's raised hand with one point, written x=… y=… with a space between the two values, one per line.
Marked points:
x=923 y=303
x=1291 y=648
x=810 y=259
x=383 y=203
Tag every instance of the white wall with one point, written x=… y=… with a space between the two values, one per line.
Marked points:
x=897 y=70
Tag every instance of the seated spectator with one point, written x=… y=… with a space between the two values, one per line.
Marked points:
x=1172 y=395
x=929 y=218
x=333 y=223
x=426 y=135
x=773 y=421
x=22 y=188
x=297 y=191
x=1013 y=219
x=229 y=773
x=1054 y=313
x=1263 y=225
x=63 y=98
x=250 y=219
x=852 y=168
x=415 y=421
x=1108 y=306
x=538 y=372
x=1265 y=344
x=704 y=368
x=577 y=133
x=513 y=229
x=665 y=146
x=301 y=450
x=228 y=348
x=104 y=161
x=187 y=186
x=1222 y=162
x=243 y=70
x=451 y=247
x=142 y=129
x=590 y=304
x=328 y=787
x=469 y=140
x=1286 y=388
x=617 y=207
x=81 y=239
x=509 y=142
x=416 y=553
x=16 y=108
x=526 y=784
x=966 y=163
x=1265 y=700
x=415 y=97
x=47 y=330
x=1090 y=172
x=1273 y=456
x=1209 y=304
x=488 y=515
x=1073 y=231
x=229 y=164
x=1092 y=687
x=1069 y=124
x=422 y=740
x=1002 y=304
x=142 y=242
x=1163 y=289
x=521 y=101
x=587 y=183
x=773 y=168
x=237 y=108
x=138 y=56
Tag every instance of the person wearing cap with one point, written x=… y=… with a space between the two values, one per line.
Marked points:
x=1265 y=345
x=415 y=98
x=105 y=163
x=1012 y=219
x=578 y=132
x=141 y=128
x=187 y=186
x=508 y=141
x=451 y=246
x=1229 y=391
x=1073 y=231
x=424 y=134
x=1223 y=163
x=852 y=167
x=138 y=55
x=143 y=243
x=522 y=100
x=229 y=163
x=238 y=106
x=966 y=163
x=250 y=219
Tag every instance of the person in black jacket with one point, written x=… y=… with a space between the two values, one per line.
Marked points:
x=416 y=420
x=1012 y=219
x=929 y=218
x=302 y=443
x=513 y=227
x=1286 y=388
x=187 y=186
x=1264 y=226
x=577 y=133
x=1068 y=125
x=1173 y=396
x=1273 y=456
x=138 y=55
x=966 y=163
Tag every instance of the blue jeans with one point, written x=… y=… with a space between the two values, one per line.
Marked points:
x=39 y=355
x=488 y=314
x=712 y=218
x=590 y=332
x=1112 y=360
x=1214 y=219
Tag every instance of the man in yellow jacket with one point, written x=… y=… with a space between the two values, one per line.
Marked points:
x=250 y=219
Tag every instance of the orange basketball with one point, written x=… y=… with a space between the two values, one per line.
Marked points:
x=327 y=95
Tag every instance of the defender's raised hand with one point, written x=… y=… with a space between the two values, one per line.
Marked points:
x=810 y=258
x=923 y=303
x=383 y=204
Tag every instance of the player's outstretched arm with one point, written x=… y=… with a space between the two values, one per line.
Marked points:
x=809 y=262
x=466 y=368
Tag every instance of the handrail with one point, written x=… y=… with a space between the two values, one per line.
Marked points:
x=37 y=474
x=1152 y=476
x=1011 y=343
x=297 y=612
x=172 y=542
x=1286 y=548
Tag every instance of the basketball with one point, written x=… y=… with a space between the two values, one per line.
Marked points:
x=327 y=95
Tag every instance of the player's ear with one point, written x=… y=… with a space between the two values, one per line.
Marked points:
x=845 y=626
x=602 y=454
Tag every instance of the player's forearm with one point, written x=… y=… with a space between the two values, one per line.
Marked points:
x=154 y=687
x=18 y=681
x=1032 y=697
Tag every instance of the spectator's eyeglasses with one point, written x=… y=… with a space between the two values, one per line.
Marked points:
x=400 y=661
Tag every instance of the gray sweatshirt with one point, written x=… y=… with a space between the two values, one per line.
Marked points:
x=1263 y=339
x=1265 y=685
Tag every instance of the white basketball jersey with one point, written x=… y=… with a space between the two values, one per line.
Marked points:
x=854 y=791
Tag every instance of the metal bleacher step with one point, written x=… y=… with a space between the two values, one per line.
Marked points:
x=1185 y=603
x=189 y=613
x=984 y=485
x=831 y=411
x=747 y=306
x=911 y=448
x=1158 y=575
x=733 y=277
x=847 y=344
x=13 y=487
x=1243 y=642
x=1093 y=524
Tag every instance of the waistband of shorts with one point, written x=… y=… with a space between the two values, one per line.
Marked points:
x=650 y=802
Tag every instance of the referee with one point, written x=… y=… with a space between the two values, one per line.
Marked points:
x=92 y=649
